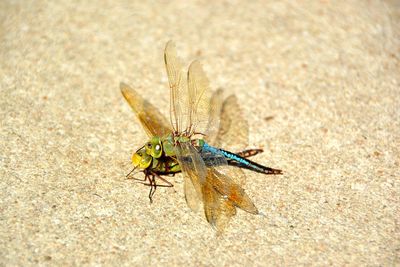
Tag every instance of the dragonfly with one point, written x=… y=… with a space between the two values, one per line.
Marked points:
x=213 y=177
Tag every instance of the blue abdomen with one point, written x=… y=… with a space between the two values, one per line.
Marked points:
x=226 y=154
x=211 y=154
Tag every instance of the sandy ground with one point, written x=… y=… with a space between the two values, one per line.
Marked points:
x=327 y=72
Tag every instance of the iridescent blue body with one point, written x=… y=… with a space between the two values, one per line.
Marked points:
x=211 y=155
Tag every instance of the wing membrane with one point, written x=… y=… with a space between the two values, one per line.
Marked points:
x=221 y=196
x=194 y=172
x=190 y=96
x=178 y=87
x=221 y=190
x=151 y=119
x=231 y=190
x=201 y=115
x=218 y=209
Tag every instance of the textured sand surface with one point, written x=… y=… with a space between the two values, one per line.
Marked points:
x=326 y=71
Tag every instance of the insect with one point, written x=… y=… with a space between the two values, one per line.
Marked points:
x=212 y=176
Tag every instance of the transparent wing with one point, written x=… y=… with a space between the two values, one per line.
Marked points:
x=221 y=196
x=192 y=198
x=154 y=123
x=218 y=209
x=202 y=115
x=194 y=172
x=178 y=87
x=222 y=190
x=233 y=130
x=232 y=191
x=190 y=96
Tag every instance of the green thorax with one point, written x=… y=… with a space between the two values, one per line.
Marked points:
x=164 y=146
x=162 y=152
x=165 y=165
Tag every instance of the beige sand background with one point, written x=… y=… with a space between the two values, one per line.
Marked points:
x=326 y=71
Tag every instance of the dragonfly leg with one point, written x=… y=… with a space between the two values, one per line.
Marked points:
x=139 y=180
x=150 y=180
x=250 y=152
x=168 y=184
x=128 y=176
x=153 y=187
x=154 y=184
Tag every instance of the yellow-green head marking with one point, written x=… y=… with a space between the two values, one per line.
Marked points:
x=154 y=147
x=140 y=159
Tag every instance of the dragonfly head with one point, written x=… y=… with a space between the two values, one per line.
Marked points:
x=140 y=159
x=154 y=147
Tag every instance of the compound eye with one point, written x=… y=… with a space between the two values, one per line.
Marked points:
x=149 y=145
x=158 y=147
